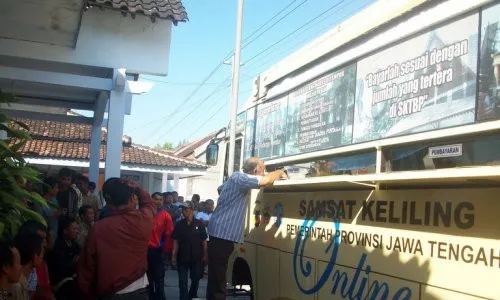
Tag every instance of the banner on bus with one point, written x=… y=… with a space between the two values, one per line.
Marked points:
x=489 y=65
x=425 y=83
x=270 y=128
x=320 y=112
x=249 y=133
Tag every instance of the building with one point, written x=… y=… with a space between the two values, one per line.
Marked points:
x=57 y=144
x=86 y=55
x=205 y=186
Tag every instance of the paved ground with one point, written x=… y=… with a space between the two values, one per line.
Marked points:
x=172 y=287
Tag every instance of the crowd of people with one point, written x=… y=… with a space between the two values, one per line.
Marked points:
x=117 y=245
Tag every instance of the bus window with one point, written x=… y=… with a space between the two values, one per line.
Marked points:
x=354 y=164
x=463 y=152
x=237 y=158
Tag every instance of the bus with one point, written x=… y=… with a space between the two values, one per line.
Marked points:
x=388 y=126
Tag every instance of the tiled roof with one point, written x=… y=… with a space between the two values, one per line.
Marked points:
x=180 y=161
x=59 y=130
x=71 y=141
x=188 y=149
x=162 y=9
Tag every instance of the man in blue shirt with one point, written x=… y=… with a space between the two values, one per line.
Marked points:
x=227 y=222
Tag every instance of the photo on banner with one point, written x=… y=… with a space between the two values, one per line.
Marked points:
x=240 y=122
x=249 y=133
x=425 y=83
x=270 y=128
x=489 y=65
x=320 y=113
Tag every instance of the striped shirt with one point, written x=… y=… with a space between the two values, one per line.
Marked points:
x=228 y=219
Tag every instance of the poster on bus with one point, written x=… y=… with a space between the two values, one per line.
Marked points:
x=489 y=65
x=320 y=112
x=270 y=128
x=249 y=133
x=240 y=122
x=425 y=83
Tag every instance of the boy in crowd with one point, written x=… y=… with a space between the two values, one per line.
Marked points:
x=92 y=187
x=10 y=269
x=169 y=206
x=113 y=262
x=190 y=251
x=205 y=212
x=62 y=260
x=30 y=249
x=159 y=245
x=82 y=183
x=51 y=214
x=195 y=199
x=68 y=197
x=87 y=218
x=39 y=279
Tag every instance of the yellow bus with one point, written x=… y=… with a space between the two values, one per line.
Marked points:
x=389 y=128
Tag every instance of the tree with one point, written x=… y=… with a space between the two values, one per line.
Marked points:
x=166 y=146
x=182 y=143
x=14 y=174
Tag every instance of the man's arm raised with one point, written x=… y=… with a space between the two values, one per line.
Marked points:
x=270 y=178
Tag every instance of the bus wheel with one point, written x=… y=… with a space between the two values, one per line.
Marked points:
x=241 y=279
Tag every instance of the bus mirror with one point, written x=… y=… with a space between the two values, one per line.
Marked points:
x=212 y=153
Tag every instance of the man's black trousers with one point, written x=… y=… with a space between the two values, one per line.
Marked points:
x=219 y=251
x=156 y=274
x=194 y=270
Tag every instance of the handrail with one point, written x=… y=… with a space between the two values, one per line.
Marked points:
x=424 y=176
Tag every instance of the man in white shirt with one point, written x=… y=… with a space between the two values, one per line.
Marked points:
x=228 y=220
x=205 y=211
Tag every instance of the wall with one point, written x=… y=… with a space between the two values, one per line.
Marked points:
x=391 y=244
x=107 y=39
x=206 y=186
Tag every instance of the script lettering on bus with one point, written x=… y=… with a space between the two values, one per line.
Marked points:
x=355 y=287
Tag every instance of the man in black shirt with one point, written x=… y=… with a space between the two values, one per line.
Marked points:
x=62 y=260
x=190 y=251
x=69 y=197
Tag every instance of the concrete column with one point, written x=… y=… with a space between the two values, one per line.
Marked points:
x=164 y=182
x=176 y=183
x=151 y=182
x=3 y=133
x=95 y=148
x=96 y=137
x=116 y=115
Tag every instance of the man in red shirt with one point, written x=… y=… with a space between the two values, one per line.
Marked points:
x=159 y=244
x=113 y=262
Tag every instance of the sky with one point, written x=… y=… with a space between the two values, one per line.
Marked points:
x=179 y=107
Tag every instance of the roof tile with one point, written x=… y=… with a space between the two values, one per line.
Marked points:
x=58 y=130
x=80 y=150
x=188 y=149
x=53 y=139
x=163 y=9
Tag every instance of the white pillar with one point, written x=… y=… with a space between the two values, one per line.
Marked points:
x=164 y=182
x=96 y=137
x=176 y=183
x=379 y=160
x=3 y=133
x=151 y=182
x=116 y=115
x=95 y=148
